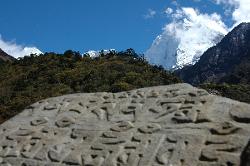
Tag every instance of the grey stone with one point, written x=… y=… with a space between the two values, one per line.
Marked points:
x=166 y=125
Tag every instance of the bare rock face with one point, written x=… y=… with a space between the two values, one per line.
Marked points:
x=157 y=126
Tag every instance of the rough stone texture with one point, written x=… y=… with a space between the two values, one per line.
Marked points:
x=168 y=125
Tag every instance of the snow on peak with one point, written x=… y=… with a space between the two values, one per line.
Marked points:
x=16 y=50
x=94 y=54
x=186 y=38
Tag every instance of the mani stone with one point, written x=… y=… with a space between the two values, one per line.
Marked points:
x=176 y=125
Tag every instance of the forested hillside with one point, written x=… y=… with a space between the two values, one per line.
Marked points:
x=33 y=78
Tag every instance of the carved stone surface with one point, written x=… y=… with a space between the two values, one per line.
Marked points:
x=166 y=125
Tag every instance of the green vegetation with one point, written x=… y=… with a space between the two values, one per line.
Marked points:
x=240 y=92
x=33 y=78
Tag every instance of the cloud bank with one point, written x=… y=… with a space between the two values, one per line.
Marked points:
x=191 y=33
x=240 y=10
x=16 y=50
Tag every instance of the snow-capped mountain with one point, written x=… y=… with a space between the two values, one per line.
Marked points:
x=16 y=50
x=185 y=39
x=189 y=51
x=163 y=51
x=172 y=53
x=94 y=54
x=227 y=62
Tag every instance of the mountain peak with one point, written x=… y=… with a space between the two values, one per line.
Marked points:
x=222 y=62
x=239 y=33
x=242 y=26
x=175 y=49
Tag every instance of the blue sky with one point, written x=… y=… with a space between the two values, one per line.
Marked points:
x=82 y=25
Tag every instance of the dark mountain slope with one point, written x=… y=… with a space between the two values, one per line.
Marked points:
x=5 y=57
x=227 y=62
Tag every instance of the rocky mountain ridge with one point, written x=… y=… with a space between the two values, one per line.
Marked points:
x=228 y=61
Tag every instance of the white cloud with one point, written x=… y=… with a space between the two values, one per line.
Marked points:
x=151 y=13
x=186 y=38
x=240 y=12
x=17 y=51
x=168 y=11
